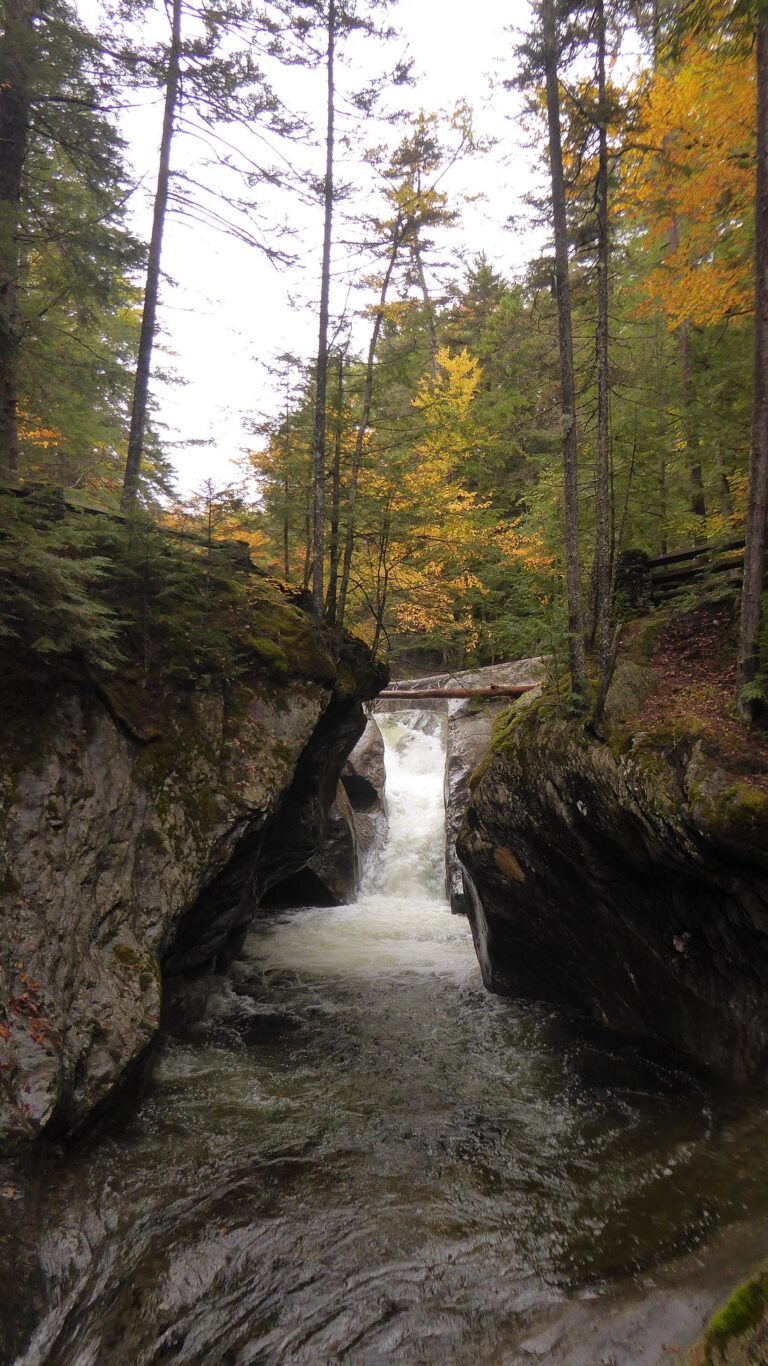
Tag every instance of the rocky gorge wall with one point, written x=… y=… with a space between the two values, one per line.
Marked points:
x=627 y=878
x=136 y=840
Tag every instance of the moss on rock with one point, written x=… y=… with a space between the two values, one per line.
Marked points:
x=737 y=1334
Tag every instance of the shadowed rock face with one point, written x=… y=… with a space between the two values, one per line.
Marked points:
x=355 y=827
x=363 y=778
x=469 y=734
x=337 y=863
x=627 y=879
x=130 y=868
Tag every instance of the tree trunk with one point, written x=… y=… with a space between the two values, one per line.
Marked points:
x=493 y=690
x=565 y=338
x=362 y=426
x=695 y=476
x=321 y=374
x=602 y=470
x=661 y=477
x=15 y=105
x=286 y=532
x=333 y=558
x=429 y=307
x=382 y=585
x=152 y=287
x=306 y=577
x=747 y=661
x=726 y=497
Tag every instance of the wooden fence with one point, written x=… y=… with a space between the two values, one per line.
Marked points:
x=642 y=581
x=671 y=574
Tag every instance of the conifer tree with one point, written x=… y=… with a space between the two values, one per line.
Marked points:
x=16 y=75
x=152 y=285
x=325 y=26
x=549 y=56
x=65 y=253
x=754 y=556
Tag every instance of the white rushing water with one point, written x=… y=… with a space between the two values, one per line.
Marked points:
x=401 y=921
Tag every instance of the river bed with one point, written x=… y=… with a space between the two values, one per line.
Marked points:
x=362 y=1156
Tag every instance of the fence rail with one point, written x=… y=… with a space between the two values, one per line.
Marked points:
x=670 y=574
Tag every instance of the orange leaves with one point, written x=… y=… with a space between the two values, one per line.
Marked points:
x=692 y=181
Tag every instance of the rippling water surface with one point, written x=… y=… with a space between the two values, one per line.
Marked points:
x=362 y=1156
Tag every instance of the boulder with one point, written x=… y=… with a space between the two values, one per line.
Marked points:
x=627 y=878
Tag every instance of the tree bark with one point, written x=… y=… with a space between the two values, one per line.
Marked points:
x=306 y=577
x=494 y=690
x=429 y=307
x=333 y=558
x=747 y=661
x=695 y=475
x=286 y=531
x=362 y=426
x=565 y=338
x=321 y=373
x=15 y=107
x=152 y=288
x=602 y=470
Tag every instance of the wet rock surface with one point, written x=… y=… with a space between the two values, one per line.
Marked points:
x=470 y=725
x=363 y=779
x=130 y=868
x=337 y=863
x=627 y=879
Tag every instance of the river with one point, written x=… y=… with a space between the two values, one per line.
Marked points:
x=362 y=1156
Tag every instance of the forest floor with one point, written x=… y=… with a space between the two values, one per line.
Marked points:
x=693 y=657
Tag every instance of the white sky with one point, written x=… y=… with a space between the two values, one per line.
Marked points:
x=228 y=310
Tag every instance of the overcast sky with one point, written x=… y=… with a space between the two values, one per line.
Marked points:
x=228 y=311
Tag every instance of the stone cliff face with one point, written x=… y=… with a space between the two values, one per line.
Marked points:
x=469 y=731
x=132 y=856
x=628 y=879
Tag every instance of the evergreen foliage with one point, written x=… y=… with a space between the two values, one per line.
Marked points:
x=441 y=518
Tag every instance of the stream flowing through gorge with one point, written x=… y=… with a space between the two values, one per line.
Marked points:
x=362 y=1156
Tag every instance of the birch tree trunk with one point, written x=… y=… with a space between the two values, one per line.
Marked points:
x=565 y=339
x=152 y=288
x=747 y=660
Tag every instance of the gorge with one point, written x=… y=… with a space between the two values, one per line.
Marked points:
x=358 y=1153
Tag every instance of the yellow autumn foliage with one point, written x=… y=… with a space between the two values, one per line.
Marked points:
x=691 y=183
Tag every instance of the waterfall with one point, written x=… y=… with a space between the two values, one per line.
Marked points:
x=401 y=921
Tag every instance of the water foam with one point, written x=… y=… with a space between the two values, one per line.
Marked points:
x=401 y=922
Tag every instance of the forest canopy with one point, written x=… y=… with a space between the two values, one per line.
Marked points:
x=462 y=460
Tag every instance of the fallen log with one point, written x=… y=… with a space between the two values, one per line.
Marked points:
x=495 y=690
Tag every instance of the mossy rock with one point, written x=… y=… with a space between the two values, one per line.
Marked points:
x=737 y=1334
x=737 y=813
x=287 y=643
x=138 y=711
